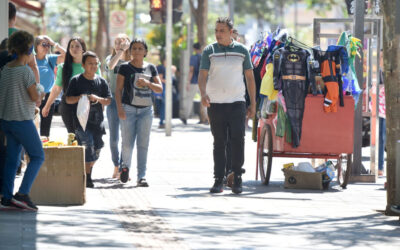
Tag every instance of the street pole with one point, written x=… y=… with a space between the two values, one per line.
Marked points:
x=168 y=79
x=231 y=10
x=134 y=19
x=359 y=33
x=4 y=20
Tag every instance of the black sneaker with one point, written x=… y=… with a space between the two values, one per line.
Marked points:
x=6 y=204
x=124 y=176
x=142 y=183
x=218 y=186
x=89 y=181
x=237 y=184
x=395 y=208
x=23 y=201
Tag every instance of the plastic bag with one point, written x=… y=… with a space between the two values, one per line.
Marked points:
x=82 y=111
x=304 y=167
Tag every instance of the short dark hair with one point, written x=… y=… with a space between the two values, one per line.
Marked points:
x=141 y=41
x=20 y=42
x=88 y=54
x=3 y=45
x=12 y=11
x=225 y=20
x=196 y=46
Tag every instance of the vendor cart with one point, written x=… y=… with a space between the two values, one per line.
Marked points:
x=324 y=136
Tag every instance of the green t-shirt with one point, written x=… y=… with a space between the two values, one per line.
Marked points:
x=76 y=69
x=11 y=30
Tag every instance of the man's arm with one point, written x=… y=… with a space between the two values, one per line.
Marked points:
x=205 y=100
x=72 y=99
x=251 y=89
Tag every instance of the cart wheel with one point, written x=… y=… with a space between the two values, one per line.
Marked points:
x=265 y=154
x=344 y=170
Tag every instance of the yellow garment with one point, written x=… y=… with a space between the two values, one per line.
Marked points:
x=267 y=84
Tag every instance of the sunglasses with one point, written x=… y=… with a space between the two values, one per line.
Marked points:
x=46 y=45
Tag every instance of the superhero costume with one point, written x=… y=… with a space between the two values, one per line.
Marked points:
x=333 y=63
x=291 y=75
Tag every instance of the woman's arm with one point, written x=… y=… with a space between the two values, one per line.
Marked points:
x=55 y=91
x=118 y=96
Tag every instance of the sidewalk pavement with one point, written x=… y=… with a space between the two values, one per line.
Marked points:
x=178 y=212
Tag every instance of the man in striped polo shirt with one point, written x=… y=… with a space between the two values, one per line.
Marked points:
x=222 y=90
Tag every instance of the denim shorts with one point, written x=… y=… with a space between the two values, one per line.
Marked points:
x=92 y=142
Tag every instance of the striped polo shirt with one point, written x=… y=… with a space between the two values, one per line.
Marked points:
x=15 y=103
x=225 y=65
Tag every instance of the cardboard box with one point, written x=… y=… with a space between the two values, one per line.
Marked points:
x=62 y=178
x=302 y=180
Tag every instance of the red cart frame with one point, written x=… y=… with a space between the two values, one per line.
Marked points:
x=324 y=136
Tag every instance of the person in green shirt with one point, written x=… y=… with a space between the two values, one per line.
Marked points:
x=72 y=66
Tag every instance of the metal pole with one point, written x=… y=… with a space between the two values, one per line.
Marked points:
x=359 y=33
x=134 y=18
x=231 y=10
x=168 y=79
x=4 y=20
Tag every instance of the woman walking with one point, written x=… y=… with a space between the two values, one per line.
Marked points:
x=18 y=95
x=46 y=63
x=135 y=82
x=119 y=55
x=72 y=66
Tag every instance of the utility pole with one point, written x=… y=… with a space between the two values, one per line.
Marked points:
x=89 y=10
x=231 y=10
x=359 y=33
x=134 y=19
x=168 y=77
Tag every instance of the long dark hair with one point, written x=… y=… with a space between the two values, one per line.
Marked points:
x=67 y=68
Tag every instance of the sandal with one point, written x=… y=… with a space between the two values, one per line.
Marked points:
x=142 y=183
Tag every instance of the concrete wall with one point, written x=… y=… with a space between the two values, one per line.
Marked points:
x=3 y=20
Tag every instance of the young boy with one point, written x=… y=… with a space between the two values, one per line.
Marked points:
x=99 y=94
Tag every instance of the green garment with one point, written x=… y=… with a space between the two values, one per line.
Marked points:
x=76 y=70
x=283 y=125
x=11 y=30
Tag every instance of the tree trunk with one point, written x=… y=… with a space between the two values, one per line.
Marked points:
x=391 y=56
x=200 y=15
x=89 y=10
x=101 y=27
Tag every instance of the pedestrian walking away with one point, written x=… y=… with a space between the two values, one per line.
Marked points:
x=99 y=94
x=135 y=82
x=19 y=93
x=223 y=93
x=120 y=54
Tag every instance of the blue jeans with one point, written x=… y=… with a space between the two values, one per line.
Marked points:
x=382 y=142
x=113 y=124
x=21 y=134
x=93 y=143
x=137 y=125
x=160 y=104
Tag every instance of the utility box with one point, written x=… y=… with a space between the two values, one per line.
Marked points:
x=62 y=177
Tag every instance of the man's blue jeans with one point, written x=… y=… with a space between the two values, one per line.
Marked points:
x=136 y=126
x=382 y=142
x=21 y=134
x=113 y=124
x=160 y=104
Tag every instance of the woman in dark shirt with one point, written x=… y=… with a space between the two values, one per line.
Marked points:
x=135 y=82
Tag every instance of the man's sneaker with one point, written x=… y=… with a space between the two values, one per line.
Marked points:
x=142 y=183
x=218 y=186
x=89 y=181
x=237 y=184
x=6 y=204
x=124 y=176
x=23 y=201
x=395 y=208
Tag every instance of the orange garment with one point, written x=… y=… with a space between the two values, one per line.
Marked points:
x=328 y=73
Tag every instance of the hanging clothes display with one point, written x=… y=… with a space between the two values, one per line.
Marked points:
x=350 y=81
x=333 y=63
x=291 y=76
